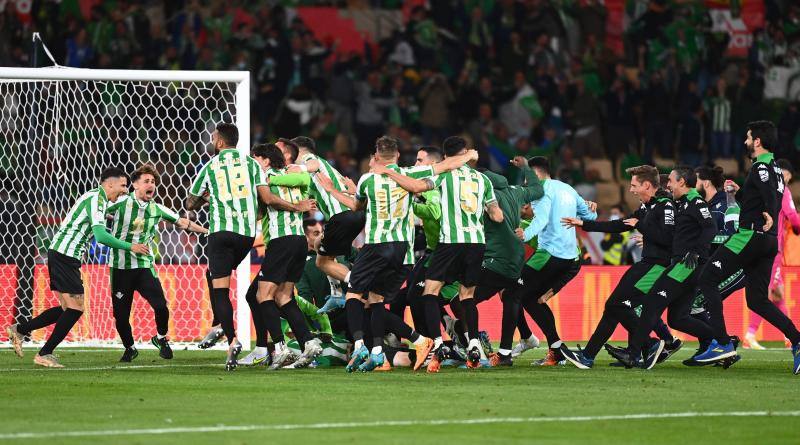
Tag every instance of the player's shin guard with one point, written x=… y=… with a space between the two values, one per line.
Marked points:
x=291 y=312
x=65 y=322
x=224 y=312
x=44 y=319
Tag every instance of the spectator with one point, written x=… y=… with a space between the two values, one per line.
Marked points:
x=435 y=96
x=718 y=108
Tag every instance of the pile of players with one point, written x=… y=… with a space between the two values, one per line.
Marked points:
x=693 y=256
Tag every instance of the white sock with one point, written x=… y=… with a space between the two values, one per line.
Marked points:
x=466 y=335
x=437 y=342
x=347 y=278
x=358 y=344
x=556 y=345
x=377 y=349
x=260 y=351
x=279 y=347
x=474 y=343
x=160 y=336
x=504 y=351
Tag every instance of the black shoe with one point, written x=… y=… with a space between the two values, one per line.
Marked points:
x=129 y=354
x=670 y=348
x=653 y=354
x=498 y=359
x=730 y=361
x=164 y=350
x=624 y=356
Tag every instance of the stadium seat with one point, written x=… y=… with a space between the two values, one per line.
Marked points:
x=730 y=167
x=604 y=168
x=608 y=194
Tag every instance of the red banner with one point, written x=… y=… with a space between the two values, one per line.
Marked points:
x=577 y=307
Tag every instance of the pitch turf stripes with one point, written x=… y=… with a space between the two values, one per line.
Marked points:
x=389 y=423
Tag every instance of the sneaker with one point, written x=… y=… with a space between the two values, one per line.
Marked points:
x=282 y=357
x=423 y=350
x=231 y=361
x=553 y=358
x=211 y=338
x=129 y=354
x=498 y=359
x=483 y=336
x=653 y=354
x=750 y=342
x=796 y=355
x=473 y=358
x=164 y=350
x=524 y=345
x=625 y=356
x=255 y=359
x=670 y=348
x=358 y=357
x=716 y=352
x=728 y=362
x=48 y=361
x=311 y=350
x=576 y=357
x=374 y=361
x=16 y=339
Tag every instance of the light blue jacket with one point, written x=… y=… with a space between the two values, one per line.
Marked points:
x=560 y=200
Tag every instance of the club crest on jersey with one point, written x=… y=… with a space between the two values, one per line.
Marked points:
x=663 y=293
x=717 y=264
x=704 y=211
x=669 y=217
x=119 y=295
x=763 y=173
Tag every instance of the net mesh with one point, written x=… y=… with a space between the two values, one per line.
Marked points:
x=56 y=138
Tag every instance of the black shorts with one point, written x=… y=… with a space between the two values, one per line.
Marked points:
x=143 y=280
x=395 y=283
x=340 y=231
x=284 y=259
x=225 y=251
x=491 y=282
x=377 y=267
x=460 y=262
x=65 y=273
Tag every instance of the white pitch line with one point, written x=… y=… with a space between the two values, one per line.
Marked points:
x=389 y=423
x=111 y=368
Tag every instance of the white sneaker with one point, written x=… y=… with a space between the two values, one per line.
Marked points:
x=255 y=358
x=282 y=356
x=524 y=345
x=311 y=351
x=750 y=342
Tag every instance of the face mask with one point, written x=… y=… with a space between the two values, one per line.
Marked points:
x=613 y=217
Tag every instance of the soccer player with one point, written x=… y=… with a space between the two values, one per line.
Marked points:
x=235 y=184
x=86 y=218
x=283 y=265
x=752 y=248
x=675 y=287
x=655 y=220
x=343 y=225
x=136 y=219
x=555 y=261
x=465 y=193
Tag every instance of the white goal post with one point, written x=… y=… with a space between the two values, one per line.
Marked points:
x=59 y=128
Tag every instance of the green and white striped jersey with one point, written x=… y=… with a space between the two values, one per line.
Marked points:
x=283 y=222
x=231 y=178
x=388 y=205
x=76 y=228
x=326 y=203
x=465 y=192
x=136 y=222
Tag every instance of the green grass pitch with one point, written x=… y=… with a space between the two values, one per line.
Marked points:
x=191 y=399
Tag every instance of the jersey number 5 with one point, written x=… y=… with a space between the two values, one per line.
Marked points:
x=469 y=196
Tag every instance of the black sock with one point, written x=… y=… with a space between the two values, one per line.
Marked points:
x=522 y=325
x=215 y=320
x=471 y=317
x=378 y=323
x=162 y=319
x=258 y=317
x=663 y=331
x=46 y=318
x=397 y=326
x=418 y=315
x=65 y=322
x=294 y=316
x=509 y=324
x=271 y=319
x=355 y=318
x=224 y=312
x=432 y=315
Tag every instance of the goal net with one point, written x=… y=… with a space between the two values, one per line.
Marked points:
x=59 y=128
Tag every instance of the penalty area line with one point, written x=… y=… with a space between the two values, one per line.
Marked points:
x=387 y=423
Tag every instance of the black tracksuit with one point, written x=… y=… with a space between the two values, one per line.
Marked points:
x=751 y=249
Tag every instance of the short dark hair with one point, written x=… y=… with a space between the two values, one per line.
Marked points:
x=305 y=142
x=112 y=172
x=291 y=146
x=540 y=162
x=645 y=173
x=145 y=169
x=687 y=174
x=387 y=146
x=271 y=152
x=229 y=133
x=766 y=131
x=714 y=174
x=309 y=222
x=432 y=151
x=453 y=145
